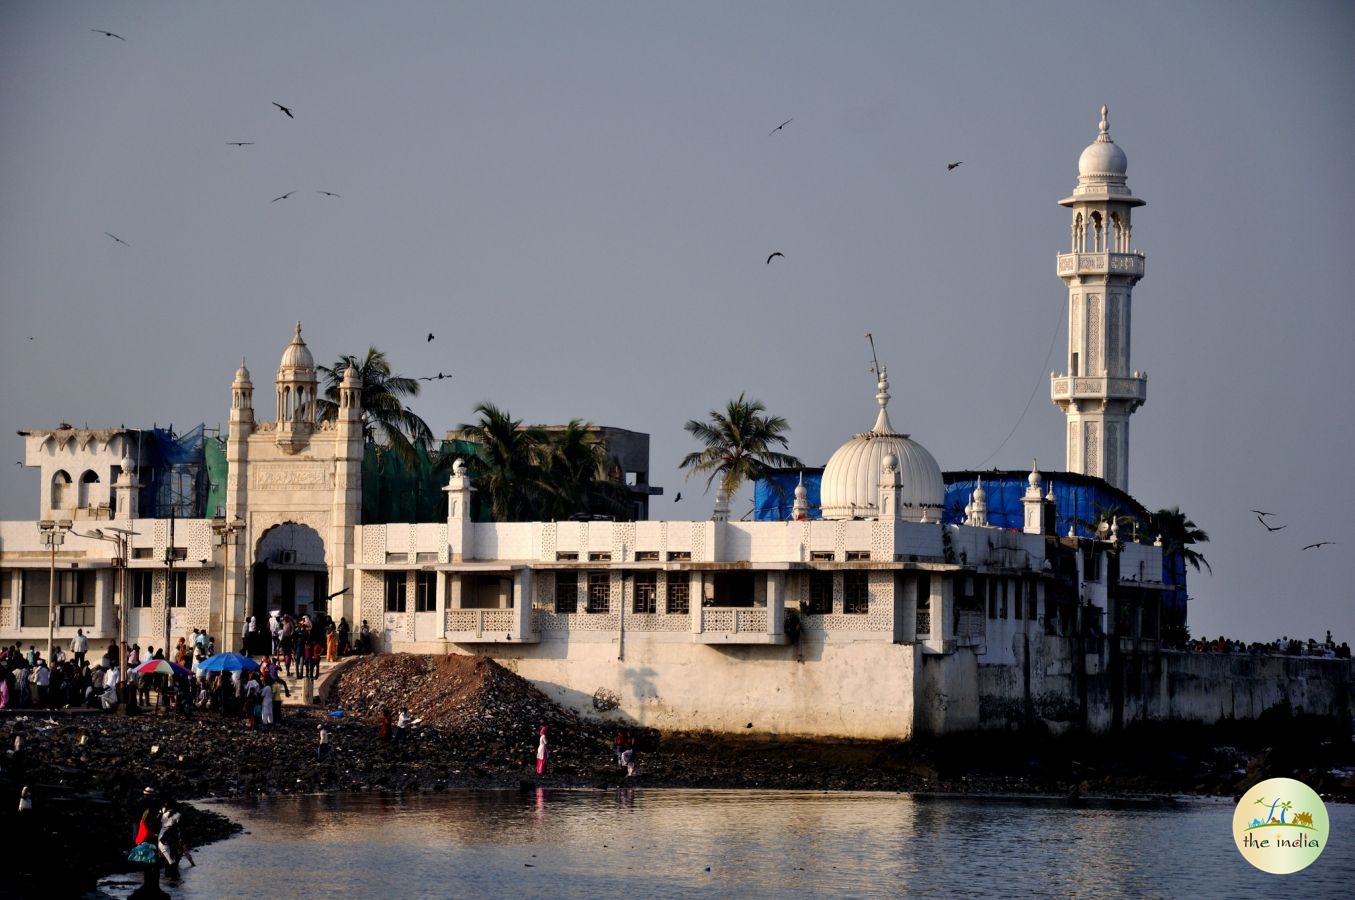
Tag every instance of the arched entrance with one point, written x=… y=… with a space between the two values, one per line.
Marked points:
x=289 y=574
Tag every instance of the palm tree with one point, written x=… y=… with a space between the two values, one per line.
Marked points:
x=577 y=476
x=738 y=444
x=1178 y=533
x=385 y=419
x=509 y=461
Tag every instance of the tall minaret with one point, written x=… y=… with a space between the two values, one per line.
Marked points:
x=297 y=388
x=1100 y=392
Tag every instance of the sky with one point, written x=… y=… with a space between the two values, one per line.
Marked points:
x=577 y=200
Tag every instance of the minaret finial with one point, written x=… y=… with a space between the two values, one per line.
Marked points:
x=1105 y=125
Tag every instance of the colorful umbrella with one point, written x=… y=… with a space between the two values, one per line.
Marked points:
x=161 y=667
x=227 y=662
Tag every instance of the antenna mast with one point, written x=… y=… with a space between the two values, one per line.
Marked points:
x=875 y=360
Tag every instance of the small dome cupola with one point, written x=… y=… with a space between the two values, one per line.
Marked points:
x=297 y=387
x=850 y=486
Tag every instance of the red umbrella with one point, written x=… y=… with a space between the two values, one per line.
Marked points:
x=161 y=667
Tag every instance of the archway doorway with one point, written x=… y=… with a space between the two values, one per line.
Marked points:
x=289 y=576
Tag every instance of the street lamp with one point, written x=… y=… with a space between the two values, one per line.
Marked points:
x=122 y=537
x=226 y=534
x=53 y=535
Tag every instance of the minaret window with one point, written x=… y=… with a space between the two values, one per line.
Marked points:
x=1099 y=234
x=1079 y=233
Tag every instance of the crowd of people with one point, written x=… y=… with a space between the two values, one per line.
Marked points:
x=289 y=646
x=1284 y=646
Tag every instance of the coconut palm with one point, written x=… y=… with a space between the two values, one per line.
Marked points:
x=385 y=418
x=578 y=476
x=509 y=462
x=1177 y=533
x=738 y=444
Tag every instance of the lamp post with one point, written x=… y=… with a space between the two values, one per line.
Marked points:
x=122 y=537
x=53 y=535
x=227 y=534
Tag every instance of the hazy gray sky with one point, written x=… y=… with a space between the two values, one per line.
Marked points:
x=578 y=199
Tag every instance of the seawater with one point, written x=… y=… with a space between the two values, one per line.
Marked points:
x=660 y=843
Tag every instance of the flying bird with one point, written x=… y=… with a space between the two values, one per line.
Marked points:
x=437 y=377
x=327 y=193
x=1318 y=544
x=1262 y=512
x=1270 y=527
x=779 y=127
x=774 y=255
x=950 y=166
x=240 y=143
x=108 y=33
x=118 y=239
x=430 y=335
x=678 y=497
x=283 y=197
x=284 y=109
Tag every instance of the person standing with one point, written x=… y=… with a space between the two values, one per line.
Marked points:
x=345 y=635
x=42 y=679
x=79 y=645
x=332 y=643
x=542 y=753
x=266 y=705
x=325 y=750
x=402 y=723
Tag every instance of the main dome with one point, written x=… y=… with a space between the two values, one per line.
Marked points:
x=850 y=487
x=297 y=355
x=1103 y=158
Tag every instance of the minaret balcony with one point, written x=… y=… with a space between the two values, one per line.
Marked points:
x=1064 y=389
x=1076 y=264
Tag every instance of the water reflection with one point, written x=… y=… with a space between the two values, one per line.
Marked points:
x=669 y=843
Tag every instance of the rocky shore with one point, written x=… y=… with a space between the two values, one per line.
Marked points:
x=476 y=725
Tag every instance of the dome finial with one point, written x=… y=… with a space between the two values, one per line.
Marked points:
x=1105 y=125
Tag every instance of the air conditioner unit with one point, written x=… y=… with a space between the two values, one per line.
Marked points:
x=287 y=557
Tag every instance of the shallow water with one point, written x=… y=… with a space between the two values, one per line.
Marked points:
x=688 y=843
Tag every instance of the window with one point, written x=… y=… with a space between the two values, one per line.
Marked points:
x=599 y=592
x=855 y=593
x=426 y=592
x=646 y=556
x=646 y=592
x=395 y=591
x=857 y=555
x=75 y=594
x=1020 y=603
x=679 y=599
x=1032 y=599
x=821 y=555
x=141 y=584
x=820 y=593
x=176 y=590
x=679 y=555
x=566 y=593
x=602 y=556
x=567 y=556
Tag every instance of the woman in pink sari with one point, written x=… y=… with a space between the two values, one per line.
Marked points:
x=542 y=753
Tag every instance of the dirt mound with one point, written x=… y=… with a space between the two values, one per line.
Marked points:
x=468 y=695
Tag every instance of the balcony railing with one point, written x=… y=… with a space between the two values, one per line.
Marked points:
x=737 y=625
x=485 y=626
x=1101 y=264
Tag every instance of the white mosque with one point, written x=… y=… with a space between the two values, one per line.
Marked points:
x=870 y=614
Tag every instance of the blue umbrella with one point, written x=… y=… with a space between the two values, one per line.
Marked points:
x=227 y=662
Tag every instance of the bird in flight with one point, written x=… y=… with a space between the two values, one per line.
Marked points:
x=1318 y=544
x=774 y=255
x=437 y=377
x=327 y=193
x=954 y=165
x=1261 y=512
x=283 y=197
x=118 y=239
x=1270 y=527
x=678 y=497
x=779 y=127
x=430 y=335
x=284 y=109
x=240 y=143
x=108 y=33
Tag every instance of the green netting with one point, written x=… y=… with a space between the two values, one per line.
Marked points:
x=214 y=451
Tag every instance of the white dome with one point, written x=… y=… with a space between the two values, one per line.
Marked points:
x=1103 y=159
x=297 y=355
x=850 y=487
